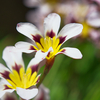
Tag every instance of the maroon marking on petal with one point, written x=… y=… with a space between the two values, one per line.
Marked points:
x=34 y=68
x=48 y=54
x=51 y=34
x=18 y=25
x=62 y=39
x=5 y=74
x=36 y=38
x=73 y=20
x=6 y=87
x=63 y=50
x=17 y=67
x=32 y=48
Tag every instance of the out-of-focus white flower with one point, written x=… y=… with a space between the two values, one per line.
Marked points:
x=43 y=93
x=95 y=36
x=31 y=3
x=93 y=16
x=37 y=16
x=50 y=38
x=9 y=96
x=14 y=78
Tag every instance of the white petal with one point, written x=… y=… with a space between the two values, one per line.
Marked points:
x=11 y=55
x=72 y=52
x=39 y=56
x=3 y=68
x=27 y=93
x=4 y=71
x=28 y=30
x=70 y=30
x=95 y=22
x=52 y=23
x=2 y=91
x=9 y=96
x=3 y=82
x=24 y=47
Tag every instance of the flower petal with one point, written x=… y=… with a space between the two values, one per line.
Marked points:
x=3 y=68
x=29 y=30
x=4 y=72
x=4 y=91
x=2 y=88
x=71 y=52
x=43 y=94
x=25 y=47
x=9 y=96
x=13 y=58
x=39 y=56
x=27 y=93
x=95 y=22
x=51 y=25
x=69 y=31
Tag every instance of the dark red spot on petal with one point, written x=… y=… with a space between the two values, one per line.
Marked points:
x=63 y=50
x=51 y=34
x=34 y=68
x=62 y=39
x=48 y=54
x=5 y=74
x=18 y=25
x=36 y=38
x=32 y=48
x=73 y=20
x=17 y=67
x=6 y=87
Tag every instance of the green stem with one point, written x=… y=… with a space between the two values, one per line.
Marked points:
x=49 y=64
x=41 y=80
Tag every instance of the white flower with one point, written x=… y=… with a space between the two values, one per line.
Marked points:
x=49 y=38
x=43 y=94
x=15 y=78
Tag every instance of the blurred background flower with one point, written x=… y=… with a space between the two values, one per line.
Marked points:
x=43 y=93
x=68 y=79
x=9 y=96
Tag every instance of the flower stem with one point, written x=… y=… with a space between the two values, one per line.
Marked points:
x=49 y=64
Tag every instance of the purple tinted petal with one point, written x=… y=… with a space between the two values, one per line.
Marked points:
x=32 y=48
x=6 y=87
x=34 y=68
x=17 y=67
x=62 y=39
x=36 y=38
x=50 y=34
x=5 y=74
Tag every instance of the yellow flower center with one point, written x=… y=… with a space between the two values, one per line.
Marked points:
x=22 y=79
x=46 y=43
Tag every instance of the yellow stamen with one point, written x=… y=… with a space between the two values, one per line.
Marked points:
x=22 y=79
x=46 y=43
